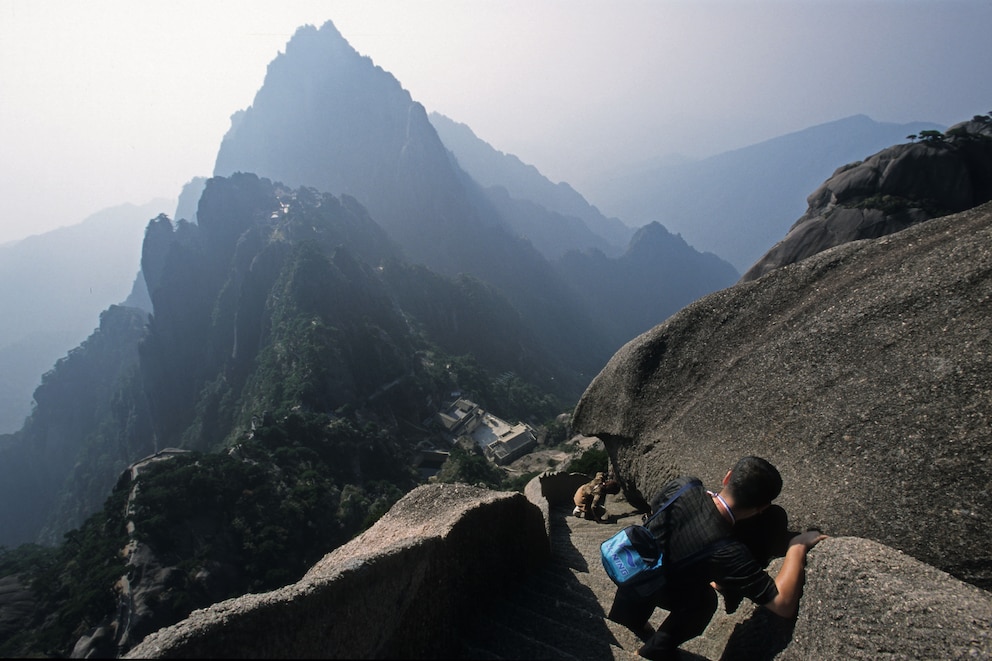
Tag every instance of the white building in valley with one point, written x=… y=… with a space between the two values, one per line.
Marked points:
x=500 y=441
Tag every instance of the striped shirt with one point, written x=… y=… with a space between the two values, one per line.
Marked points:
x=692 y=523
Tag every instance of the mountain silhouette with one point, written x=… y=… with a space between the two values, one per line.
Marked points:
x=53 y=287
x=577 y=226
x=738 y=203
x=328 y=118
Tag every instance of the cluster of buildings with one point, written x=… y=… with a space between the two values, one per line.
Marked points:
x=499 y=441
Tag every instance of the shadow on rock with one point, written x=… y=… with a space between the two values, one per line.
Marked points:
x=761 y=637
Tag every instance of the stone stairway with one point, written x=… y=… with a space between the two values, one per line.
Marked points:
x=560 y=611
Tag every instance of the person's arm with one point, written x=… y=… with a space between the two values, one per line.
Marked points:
x=790 y=578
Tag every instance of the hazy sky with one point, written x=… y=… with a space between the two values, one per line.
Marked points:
x=107 y=102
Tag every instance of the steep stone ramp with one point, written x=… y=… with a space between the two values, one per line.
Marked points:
x=560 y=611
x=862 y=600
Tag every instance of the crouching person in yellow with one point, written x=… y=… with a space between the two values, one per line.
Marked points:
x=589 y=498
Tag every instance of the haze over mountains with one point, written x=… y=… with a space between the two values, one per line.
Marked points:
x=348 y=269
x=595 y=281
x=582 y=283
x=519 y=181
x=434 y=210
x=734 y=205
x=486 y=291
x=738 y=203
x=53 y=288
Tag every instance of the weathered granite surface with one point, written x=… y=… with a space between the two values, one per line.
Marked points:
x=399 y=590
x=863 y=600
x=898 y=187
x=864 y=373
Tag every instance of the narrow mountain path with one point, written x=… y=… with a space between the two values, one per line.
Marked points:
x=560 y=611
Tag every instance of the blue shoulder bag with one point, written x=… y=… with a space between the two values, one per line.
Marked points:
x=633 y=557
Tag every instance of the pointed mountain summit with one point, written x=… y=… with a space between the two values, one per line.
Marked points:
x=657 y=276
x=326 y=117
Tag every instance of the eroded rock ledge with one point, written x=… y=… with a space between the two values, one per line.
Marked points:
x=399 y=590
x=896 y=188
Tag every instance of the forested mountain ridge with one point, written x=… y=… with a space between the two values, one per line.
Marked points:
x=53 y=287
x=355 y=130
x=48 y=479
x=290 y=313
x=229 y=295
x=297 y=356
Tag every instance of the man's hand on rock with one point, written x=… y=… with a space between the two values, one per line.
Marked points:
x=809 y=539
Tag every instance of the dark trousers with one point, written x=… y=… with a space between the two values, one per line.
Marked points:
x=690 y=609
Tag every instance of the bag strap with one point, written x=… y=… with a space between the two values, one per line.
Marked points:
x=682 y=489
x=701 y=553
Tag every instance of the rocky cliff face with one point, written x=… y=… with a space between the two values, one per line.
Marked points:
x=326 y=117
x=897 y=187
x=862 y=372
x=862 y=600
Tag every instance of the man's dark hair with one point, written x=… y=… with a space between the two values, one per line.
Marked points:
x=754 y=482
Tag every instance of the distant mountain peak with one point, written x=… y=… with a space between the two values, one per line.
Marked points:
x=493 y=168
x=899 y=186
x=328 y=118
x=739 y=203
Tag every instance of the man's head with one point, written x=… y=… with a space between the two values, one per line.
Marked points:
x=753 y=482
